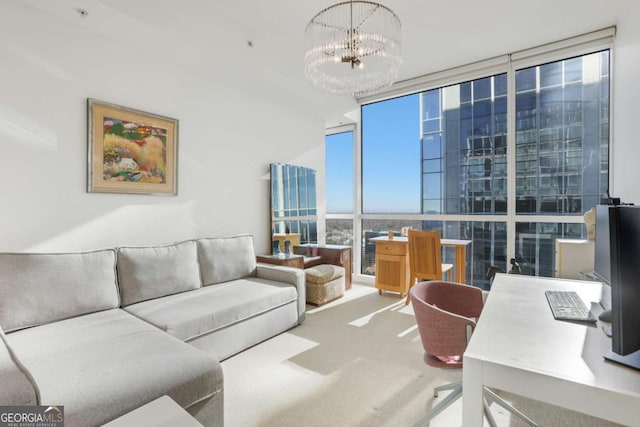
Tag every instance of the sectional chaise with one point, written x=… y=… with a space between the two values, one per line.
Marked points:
x=107 y=331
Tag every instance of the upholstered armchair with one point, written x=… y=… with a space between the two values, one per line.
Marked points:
x=446 y=314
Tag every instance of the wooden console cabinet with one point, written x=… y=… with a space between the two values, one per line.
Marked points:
x=392 y=266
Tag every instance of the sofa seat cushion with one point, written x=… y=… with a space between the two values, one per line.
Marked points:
x=105 y=364
x=192 y=314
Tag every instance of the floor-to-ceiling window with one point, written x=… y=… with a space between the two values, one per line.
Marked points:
x=339 y=186
x=439 y=153
x=561 y=147
x=510 y=160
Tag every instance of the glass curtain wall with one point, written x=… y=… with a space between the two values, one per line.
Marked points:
x=439 y=159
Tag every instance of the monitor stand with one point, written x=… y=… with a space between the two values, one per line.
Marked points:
x=631 y=360
x=605 y=316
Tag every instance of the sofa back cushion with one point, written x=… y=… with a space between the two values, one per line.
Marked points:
x=152 y=272
x=225 y=259
x=42 y=288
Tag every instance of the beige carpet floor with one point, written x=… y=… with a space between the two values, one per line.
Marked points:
x=354 y=362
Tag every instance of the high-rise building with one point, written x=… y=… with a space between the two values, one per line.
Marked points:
x=561 y=143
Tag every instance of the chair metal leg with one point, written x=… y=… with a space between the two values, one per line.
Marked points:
x=450 y=386
x=488 y=414
x=488 y=396
x=455 y=394
x=500 y=401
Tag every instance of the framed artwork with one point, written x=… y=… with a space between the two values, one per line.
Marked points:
x=131 y=151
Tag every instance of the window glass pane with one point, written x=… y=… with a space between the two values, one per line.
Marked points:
x=466 y=111
x=391 y=158
x=431 y=186
x=432 y=206
x=472 y=142
x=562 y=137
x=431 y=125
x=551 y=74
x=536 y=243
x=434 y=165
x=339 y=232
x=431 y=147
x=465 y=92
x=482 y=88
x=573 y=70
x=432 y=107
x=482 y=109
x=500 y=84
x=525 y=79
x=604 y=63
x=339 y=172
x=500 y=117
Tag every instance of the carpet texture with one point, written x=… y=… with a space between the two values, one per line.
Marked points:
x=355 y=362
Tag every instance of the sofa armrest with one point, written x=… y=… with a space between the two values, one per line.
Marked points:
x=17 y=386
x=290 y=275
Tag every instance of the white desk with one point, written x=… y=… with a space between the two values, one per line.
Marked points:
x=519 y=347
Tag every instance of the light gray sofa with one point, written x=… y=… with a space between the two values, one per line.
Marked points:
x=105 y=332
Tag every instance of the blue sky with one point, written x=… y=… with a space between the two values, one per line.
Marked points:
x=391 y=157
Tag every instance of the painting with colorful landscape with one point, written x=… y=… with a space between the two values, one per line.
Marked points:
x=131 y=151
x=134 y=152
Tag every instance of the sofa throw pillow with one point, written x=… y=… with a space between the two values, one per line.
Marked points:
x=42 y=288
x=225 y=259
x=151 y=272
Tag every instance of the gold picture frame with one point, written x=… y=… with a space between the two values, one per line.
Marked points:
x=131 y=151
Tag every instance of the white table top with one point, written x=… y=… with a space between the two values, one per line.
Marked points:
x=523 y=349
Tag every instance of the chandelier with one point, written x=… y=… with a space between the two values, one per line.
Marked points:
x=353 y=47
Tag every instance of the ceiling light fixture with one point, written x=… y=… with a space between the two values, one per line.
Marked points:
x=353 y=47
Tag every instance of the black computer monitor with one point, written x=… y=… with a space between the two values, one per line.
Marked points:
x=621 y=266
x=602 y=257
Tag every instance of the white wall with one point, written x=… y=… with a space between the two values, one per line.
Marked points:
x=625 y=165
x=227 y=139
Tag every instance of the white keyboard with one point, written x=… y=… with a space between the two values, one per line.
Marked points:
x=567 y=305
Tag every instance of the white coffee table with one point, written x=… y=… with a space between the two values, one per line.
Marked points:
x=162 y=412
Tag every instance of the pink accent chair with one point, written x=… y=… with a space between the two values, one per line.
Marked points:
x=446 y=314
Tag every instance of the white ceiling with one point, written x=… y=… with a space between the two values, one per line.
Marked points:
x=209 y=37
